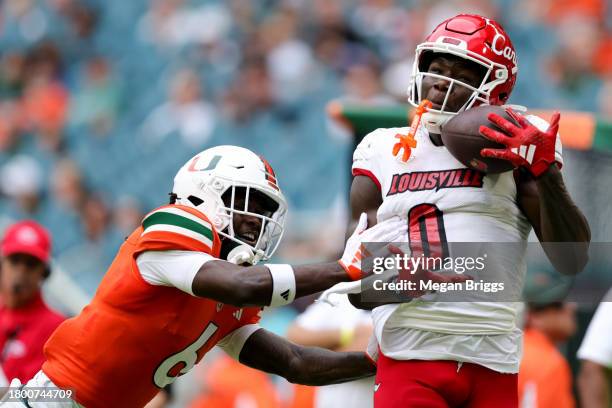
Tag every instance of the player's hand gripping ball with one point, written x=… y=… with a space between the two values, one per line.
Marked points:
x=524 y=145
x=461 y=136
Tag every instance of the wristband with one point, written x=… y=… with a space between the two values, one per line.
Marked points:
x=283 y=284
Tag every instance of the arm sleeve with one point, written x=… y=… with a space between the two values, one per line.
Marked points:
x=233 y=343
x=365 y=159
x=172 y=268
x=542 y=125
x=596 y=345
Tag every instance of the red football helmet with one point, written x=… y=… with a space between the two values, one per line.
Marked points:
x=474 y=38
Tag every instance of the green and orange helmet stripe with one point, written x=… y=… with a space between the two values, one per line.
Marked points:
x=270 y=175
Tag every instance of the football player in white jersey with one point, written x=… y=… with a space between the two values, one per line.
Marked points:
x=447 y=354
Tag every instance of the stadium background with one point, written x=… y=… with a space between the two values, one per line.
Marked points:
x=102 y=101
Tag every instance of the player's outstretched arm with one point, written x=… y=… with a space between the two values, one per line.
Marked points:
x=279 y=284
x=268 y=352
x=264 y=285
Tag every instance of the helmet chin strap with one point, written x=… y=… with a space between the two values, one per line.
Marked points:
x=241 y=254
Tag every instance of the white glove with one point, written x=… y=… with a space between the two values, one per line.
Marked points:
x=242 y=254
x=352 y=288
x=342 y=288
x=386 y=231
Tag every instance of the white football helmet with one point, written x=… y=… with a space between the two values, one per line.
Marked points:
x=210 y=174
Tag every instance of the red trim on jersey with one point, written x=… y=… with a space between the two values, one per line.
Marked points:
x=367 y=173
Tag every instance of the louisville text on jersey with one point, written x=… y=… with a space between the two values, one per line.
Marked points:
x=435 y=180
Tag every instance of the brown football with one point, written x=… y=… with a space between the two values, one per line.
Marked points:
x=461 y=138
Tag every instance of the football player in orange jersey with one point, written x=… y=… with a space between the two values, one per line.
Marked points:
x=186 y=280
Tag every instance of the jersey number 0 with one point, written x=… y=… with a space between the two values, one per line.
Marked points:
x=426 y=232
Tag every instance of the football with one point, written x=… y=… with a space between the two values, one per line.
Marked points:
x=461 y=138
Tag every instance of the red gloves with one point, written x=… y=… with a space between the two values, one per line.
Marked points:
x=526 y=145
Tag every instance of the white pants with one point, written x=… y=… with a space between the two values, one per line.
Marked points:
x=39 y=382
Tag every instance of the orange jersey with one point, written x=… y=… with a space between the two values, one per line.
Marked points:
x=134 y=337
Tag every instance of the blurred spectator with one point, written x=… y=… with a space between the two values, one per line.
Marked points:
x=383 y=22
x=335 y=43
x=9 y=125
x=61 y=212
x=45 y=105
x=362 y=86
x=396 y=78
x=441 y=10
x=282 y=44
x=45 y=98
x=67 y=186
x=44 y=60
x=186 y=112
x=249 y=94
x=594 y=384
x=12 y=68
x=559 y=9
x=545 y=379
x=87 y=259
x=127 y=215
x=83 y=20
x=24 y=20
x=243 y=14
x=26 y=322
x=573 y=61
x=332 y=49
x=339 y=328
x=21 y=180
x=153 y=25
x=95 y=217
x=171 y=23
x=96 y=102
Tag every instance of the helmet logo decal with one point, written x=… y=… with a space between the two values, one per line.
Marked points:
x=507 y=52
x=213 y=163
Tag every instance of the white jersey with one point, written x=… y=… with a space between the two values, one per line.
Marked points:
x=439 y=195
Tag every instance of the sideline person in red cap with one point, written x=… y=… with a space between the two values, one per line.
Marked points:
x=26 y=322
